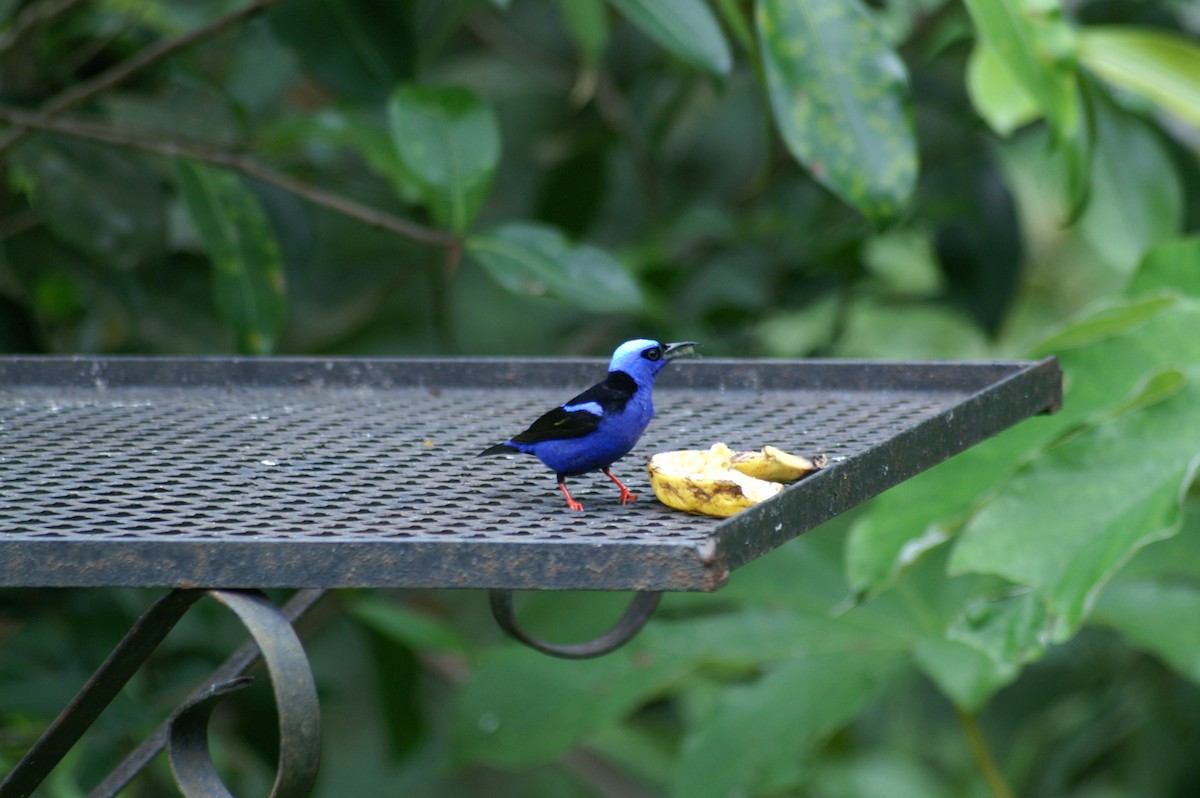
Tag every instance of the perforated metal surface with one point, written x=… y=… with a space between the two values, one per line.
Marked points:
x=234 y=473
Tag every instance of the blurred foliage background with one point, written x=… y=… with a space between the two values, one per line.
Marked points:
x=817 y=178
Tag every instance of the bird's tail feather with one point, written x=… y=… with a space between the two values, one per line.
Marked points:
x=499 y=448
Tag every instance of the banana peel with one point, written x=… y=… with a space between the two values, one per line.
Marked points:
x=721 y=482
x=775 y=465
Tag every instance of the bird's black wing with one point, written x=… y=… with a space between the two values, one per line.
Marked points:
x=572 y=420
x=559 y=423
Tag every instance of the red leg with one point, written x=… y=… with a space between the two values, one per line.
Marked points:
x=627 y=495
x=562 y=485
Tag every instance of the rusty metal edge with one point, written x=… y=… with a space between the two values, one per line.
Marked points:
x=539 y=565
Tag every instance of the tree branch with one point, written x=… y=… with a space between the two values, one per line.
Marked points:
x=237 y=162
x=146 y=58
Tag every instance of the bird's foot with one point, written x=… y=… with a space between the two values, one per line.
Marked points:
x=571 y=503
x=627 y=496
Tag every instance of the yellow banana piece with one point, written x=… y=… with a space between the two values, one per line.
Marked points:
x=705 y=483
x=721 y=482
x=775 y=465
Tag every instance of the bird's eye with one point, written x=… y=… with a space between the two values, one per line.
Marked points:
x=653 y=353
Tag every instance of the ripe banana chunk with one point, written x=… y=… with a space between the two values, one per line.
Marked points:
x=721 y=482
x=776 y=465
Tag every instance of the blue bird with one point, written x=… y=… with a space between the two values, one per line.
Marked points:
x=602 y=424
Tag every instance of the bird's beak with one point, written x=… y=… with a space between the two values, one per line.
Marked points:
x=678 y=349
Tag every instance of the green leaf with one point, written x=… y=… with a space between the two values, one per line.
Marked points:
x=404 y=625
x=880 y=771
x=963 y=673
x=359 y=133
x=997 y=95
x=100 y=201
x=1136 y=198
x=248 y=277
x=1103 y=323
x=360 y=48
x=537 y=260
x=906 y=523
x=1161 y=65
x=1157 y=387
x=1155 y=616
x=448 y=141
x=587 y=20
x=1006 y=629
x=840 y=99
x=1036 y=44
x=757 y=738
x=1116 y=364
x=520 y=707
x=1175 y=559
x=1105 y=356
x=1172 y=266
x=876 y=327
x=685 y=28
x=737 y=22
x=1071 y=519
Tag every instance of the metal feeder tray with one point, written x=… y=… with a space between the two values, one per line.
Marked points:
x=282 y=472
x=221 y=476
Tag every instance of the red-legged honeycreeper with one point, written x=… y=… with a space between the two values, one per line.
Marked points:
x=602 y=424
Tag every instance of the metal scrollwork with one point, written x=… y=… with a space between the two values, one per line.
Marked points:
x=629 y=624
x=295 y=701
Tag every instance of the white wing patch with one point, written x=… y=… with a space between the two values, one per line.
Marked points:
x=588 y=407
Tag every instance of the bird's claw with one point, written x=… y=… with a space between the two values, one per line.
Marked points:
x=571 y=503
x=628 y=497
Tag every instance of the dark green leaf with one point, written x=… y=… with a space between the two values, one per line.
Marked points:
x=587 y=20
x=397 y=691
x=448 y=141
x=99 y=200
x=537 y=260
x=248 y=278
x=361 y=134
x=521 y=707
x=574 y=190
x=360 y=48
x=840 y=100
x=686 y=28
x=979 y=243
x=760 y=733
x=403 y=625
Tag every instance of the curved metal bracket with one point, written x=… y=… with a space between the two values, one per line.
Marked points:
x=629 y=624
x=295 y=701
